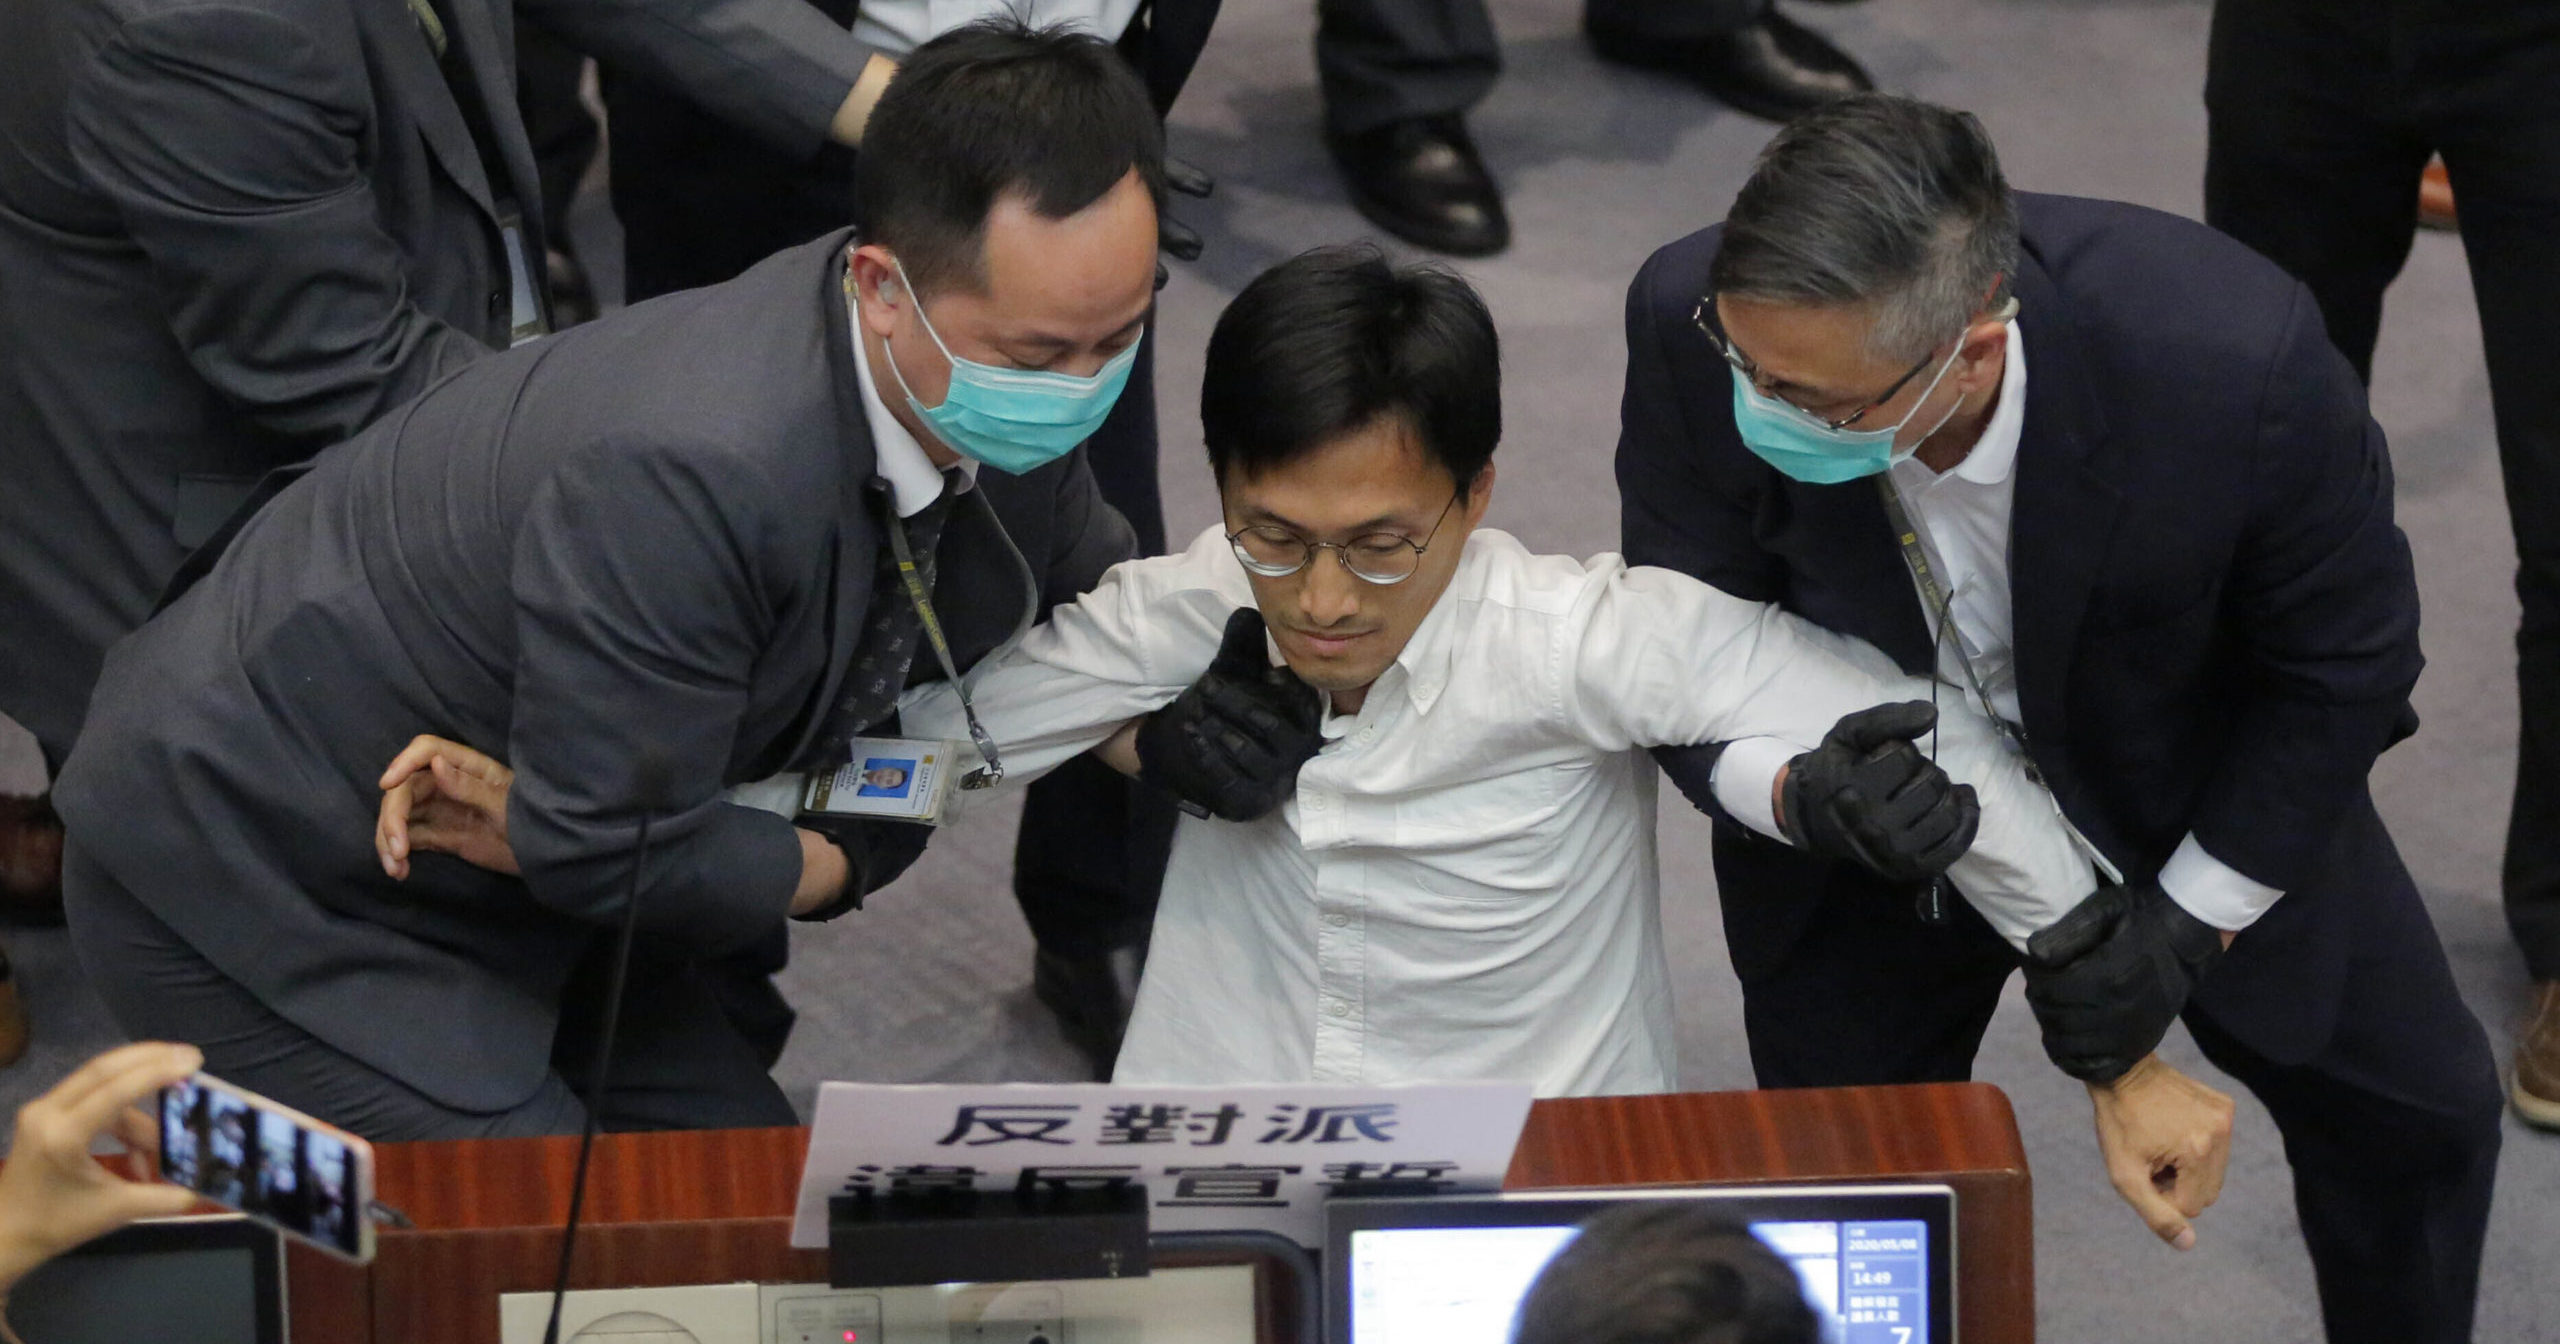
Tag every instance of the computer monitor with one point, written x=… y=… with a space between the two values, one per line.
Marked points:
x=215 y=1280
x=1877 y=1262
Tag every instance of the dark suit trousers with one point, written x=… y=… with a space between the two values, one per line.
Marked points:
x=2391 y=1128
x=2321 y=116
x=680 y=1060
x=1383 y=61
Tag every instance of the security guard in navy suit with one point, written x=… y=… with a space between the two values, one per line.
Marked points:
x=2100 y=469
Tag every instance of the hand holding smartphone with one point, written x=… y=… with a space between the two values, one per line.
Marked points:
x=308 y=1180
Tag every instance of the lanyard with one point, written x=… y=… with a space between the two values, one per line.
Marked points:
x=1935 y=597
x=993 y=772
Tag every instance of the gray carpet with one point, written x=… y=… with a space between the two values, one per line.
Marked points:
x=2099 y=97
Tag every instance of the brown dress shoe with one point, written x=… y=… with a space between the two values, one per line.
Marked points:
x=2537 y=1086
x=2435 y=197
x=13 y=1017
x=30 y=861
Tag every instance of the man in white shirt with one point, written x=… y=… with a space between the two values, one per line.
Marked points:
x=1462 y=882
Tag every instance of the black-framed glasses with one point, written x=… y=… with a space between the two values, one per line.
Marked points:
x=1704 y=316
x=1381 y=558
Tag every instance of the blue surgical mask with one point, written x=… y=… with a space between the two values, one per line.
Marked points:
x=1794 y=442
x=1014 y=420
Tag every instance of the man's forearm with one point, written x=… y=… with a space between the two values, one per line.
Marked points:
x=823 y=873
x=855 y=113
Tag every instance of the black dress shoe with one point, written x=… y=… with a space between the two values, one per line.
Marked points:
x=1422 y=181
x=1774 y=68
x=1092 y=997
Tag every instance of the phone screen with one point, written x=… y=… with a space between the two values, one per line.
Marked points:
x=267 y=1161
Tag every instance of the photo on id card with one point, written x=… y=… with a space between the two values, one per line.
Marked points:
x=901 y=779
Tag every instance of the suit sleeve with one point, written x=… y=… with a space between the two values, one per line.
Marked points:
x=229 y=140
x=640 y=617
x=1087 y=536
x=1670 y=513
x=2324 y=602
x=777 y=68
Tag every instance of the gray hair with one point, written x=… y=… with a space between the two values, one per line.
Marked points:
x=1879 y=202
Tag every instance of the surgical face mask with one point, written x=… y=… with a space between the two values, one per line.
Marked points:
x=1014 y=420
x=1794 y=442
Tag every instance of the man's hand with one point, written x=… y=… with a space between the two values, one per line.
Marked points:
x=1230 y=746
x=1867 y=795
x=2166 y=1139
x=442 y=797
x=53 y=1194
x=2108 y=978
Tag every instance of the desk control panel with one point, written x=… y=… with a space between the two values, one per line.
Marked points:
x=1208 y=1305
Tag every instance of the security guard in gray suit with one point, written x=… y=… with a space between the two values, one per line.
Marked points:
x=643 y=560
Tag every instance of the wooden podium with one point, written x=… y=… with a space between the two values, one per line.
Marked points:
x=715 y=1207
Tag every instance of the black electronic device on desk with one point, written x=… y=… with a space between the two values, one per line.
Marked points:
x=1877 y=1262
x=211 y=1280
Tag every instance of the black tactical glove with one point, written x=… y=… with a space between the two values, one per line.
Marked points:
x=875 y=853
x=2106 y=979
x=1867 y=795
x=1230 y=746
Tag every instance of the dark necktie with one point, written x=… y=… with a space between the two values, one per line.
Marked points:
x=889 y=637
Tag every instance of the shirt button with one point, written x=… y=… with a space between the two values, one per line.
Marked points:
x=1315 y=802
x=1338 y=1008
x=1369 y=734
x=1338 y=920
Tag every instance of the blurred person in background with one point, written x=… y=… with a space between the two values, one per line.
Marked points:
x=1665 y=1273
x=2318 y=115
x=237 y=232
x=1399 y=77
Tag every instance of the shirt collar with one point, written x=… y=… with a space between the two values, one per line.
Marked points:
x=1429 y=655
x=914 y=482
x=1995 y=454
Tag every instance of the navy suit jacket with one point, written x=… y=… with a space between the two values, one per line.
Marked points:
x=2216 y=617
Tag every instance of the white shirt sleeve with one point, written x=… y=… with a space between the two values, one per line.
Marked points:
x=1746 y=778
x=2212 y=890
x=1127 y=648
x=1657 y=658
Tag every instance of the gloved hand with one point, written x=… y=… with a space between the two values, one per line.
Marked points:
x=1867 y=795
x=2107 y=978
x=1230 y=746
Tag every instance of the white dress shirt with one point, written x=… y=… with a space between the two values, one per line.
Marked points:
x=897 y=27
x=1464 y=885
x=1962 y=517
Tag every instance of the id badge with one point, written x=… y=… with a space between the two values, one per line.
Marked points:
x=890 y=778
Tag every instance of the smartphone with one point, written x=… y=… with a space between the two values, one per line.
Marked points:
x=306 y=1179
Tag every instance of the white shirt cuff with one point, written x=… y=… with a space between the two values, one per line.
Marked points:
x=1746 y=773
x=2204 y=886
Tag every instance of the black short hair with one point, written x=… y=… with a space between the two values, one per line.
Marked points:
x=990 y=109
x=1323 y=344
x=1665 y=1273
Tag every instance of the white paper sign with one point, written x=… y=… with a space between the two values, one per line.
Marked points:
x=1261 y=1157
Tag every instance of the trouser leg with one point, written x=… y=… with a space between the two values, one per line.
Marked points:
x=1871 y=994
x=1384 y=61
x=1090 y=856
x=2301 y=161
x=2505 y=167
x=159 y=988
x=2392 y=1132
x=1675 y=21
x=701 y=200
x=683 y=1056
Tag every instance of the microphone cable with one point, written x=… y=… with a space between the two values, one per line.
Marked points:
x=652 y=781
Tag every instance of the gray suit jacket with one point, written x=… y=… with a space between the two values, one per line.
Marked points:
x=233 y=232
x=643 y=540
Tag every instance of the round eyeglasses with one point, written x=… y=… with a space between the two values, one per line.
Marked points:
x=1381 y=558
